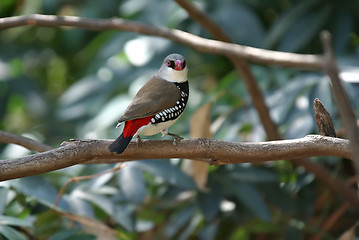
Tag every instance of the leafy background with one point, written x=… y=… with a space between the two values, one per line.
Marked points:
x=57 y=84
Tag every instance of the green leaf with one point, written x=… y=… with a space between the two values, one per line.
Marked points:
x=75 y=102
x=178 y=220
x=3 y=196
x=123 y=213
x=72 y=234
x=253 y=174
x=13 y=221
x=170 y=173
x=80 y=206
x=277 y=196
x=11 y=233
x=323 y=92
x=304 y=30
x=190 y=227
x=294 y=233
x=82 y=236
x=229 y=15
x=208 y=232
x=344 y=26
x=65 y=234
x=240 y=233
x=251 y=199
x=48 y=223
x=209 y=203
x=38 y=188
x=16 y=103
x=131 y=182
x=288 y=19
x=282 y=103
x=301 y=126
x=16 y=67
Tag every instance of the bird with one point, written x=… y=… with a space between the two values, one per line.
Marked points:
x=157 y=105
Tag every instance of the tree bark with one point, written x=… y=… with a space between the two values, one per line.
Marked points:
x=210 y=150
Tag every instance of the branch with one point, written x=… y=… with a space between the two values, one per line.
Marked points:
x=80 y=178
x=322 y=117
x=28 y=143
x=240 y=64
x=345 y=109
x=303 y=61
x=202 y=18
x=214 y=151
x=335 y=185
x=209 y=150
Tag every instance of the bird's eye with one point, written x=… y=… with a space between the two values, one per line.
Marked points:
x=171 y=64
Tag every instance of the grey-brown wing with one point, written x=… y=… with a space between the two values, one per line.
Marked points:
x=155 y=96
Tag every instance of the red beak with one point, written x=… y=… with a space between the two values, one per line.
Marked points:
x=178 y=65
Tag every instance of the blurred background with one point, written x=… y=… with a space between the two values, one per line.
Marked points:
x=57 y=84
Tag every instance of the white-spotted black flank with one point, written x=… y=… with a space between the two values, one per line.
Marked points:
x=173 y=112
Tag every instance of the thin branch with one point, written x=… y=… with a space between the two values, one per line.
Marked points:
x=259 y=103
x=216 y=152
x=344 y=106
x=80 y=178
x=90 y=225
x=345 y=109
x=331 y=220
x=302 y=61
x=28 y=143
x=240 y=64
x=335 y=185
x=202 y=18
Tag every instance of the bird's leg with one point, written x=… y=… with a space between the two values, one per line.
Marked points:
x=176 y=138
x=139 y=140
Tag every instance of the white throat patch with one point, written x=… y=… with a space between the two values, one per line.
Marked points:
x=172 y=75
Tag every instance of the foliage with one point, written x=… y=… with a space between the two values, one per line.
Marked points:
x=57 y=84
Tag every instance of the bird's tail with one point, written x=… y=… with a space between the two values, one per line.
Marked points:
x=120 y=144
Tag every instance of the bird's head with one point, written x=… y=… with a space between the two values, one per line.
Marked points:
x=173 y=68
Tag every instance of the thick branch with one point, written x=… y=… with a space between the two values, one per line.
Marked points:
x=28 y=143
x=303 y=61
x=216 y=152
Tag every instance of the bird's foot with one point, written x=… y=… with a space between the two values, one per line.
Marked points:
x=176 y=138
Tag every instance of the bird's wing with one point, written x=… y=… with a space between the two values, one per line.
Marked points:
x=155 y=96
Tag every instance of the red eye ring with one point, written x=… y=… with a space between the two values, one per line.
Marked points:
x=171 y=64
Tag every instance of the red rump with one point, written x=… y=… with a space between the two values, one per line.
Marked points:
x=131 y=126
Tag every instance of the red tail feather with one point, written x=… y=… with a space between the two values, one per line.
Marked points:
x=132 y=126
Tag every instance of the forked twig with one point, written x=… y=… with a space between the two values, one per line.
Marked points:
x=80 y=178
